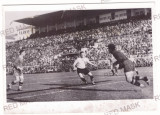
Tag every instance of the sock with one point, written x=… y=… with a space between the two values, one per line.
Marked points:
x=137 y=72
x=133 y=80
x=91 y=77
x=137 y=83
x=83 y=79
x=116 y=70
x=137 y=78
x=20 y=83
x=13 y=83
x=145 y=78
x=112 y=71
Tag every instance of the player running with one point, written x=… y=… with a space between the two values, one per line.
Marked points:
x=128 y=66
x=80 y=66
x=18 y=71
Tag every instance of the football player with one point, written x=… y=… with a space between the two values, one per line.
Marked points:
x=128 y=66
x=18 y=71
x=80 y=66
x=134 y=61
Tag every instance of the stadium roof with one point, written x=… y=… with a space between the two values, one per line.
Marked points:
x=61 y=16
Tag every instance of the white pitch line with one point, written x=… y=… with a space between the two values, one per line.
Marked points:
x=63 y=91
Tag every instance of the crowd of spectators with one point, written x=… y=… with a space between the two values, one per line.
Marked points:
x=45 y=54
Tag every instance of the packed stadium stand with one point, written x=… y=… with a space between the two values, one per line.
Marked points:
x=55 y=50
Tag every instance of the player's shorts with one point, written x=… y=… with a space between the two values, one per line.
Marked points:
x=18 y=75
x=128 y=66
x=84 y=71
x=17 y=71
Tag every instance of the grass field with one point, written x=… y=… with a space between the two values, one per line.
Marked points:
x=66 y=86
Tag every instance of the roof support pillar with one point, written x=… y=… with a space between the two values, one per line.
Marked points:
x=56 y=26
x=31 y=29
x=47 y=28
x=84 y=21
x=74 y=23
x=39 y=30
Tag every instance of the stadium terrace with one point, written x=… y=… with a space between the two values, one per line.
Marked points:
x=66 y=32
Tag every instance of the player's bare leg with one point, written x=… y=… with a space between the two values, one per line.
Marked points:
x=136 y=71
x=14 y=82
x=20 y=82
x=114 y=69
x=91 y=77
x=82 y=78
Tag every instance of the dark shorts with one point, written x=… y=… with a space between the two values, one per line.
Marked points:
x=128 y=66
x=84 y=71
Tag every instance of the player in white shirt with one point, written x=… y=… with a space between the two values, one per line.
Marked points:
x=80 y=66
x=18 y=71
x=134 y=61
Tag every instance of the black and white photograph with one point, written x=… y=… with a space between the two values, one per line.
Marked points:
x=79 y=55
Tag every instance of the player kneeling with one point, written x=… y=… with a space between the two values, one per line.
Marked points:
x=80 y=66
x=18 y=71
x=128 y=66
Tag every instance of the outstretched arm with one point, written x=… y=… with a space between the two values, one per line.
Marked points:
x=92 y=63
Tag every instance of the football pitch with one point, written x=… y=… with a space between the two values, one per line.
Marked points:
x=67 y=86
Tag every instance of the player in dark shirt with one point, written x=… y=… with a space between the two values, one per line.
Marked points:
x=128 y=66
